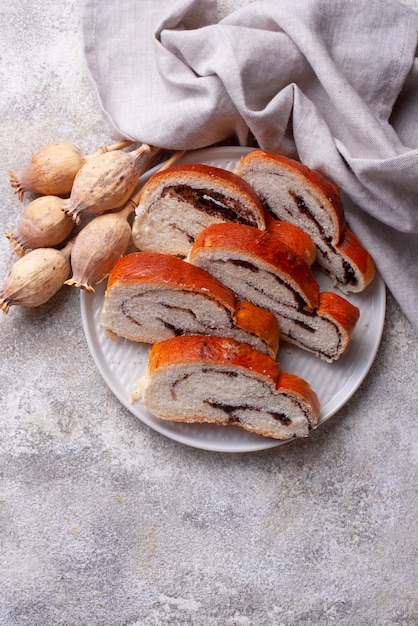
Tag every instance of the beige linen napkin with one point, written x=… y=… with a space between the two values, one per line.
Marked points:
x=333 y=83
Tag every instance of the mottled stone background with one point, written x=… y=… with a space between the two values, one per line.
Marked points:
x=106 y=522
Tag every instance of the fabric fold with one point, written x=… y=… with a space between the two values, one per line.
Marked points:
x=331 y=83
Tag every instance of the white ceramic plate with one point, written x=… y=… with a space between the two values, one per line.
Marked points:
x=122 y=363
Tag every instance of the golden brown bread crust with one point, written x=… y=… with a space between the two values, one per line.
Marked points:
x=163 y=268
x=322 y=186
x=340 y=310
x=258 y=321
x=293 y=236
x=205 y=175
x=189 y=348
x=298 y=386
x=351 y=249
x=261 y=245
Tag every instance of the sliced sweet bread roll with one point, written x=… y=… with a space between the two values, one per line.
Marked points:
x=152 y=296
x=220 y=381
x=271 y=275
x=293 y=192
x=176 y=203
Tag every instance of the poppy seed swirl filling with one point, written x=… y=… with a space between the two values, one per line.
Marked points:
x=263 y=405
x=165 y=311
x=158 y=315
x=132 y=310
x=172 y=213
x=211 y=203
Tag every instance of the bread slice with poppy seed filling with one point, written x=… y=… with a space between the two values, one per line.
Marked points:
x=294 y=193
x=176 y=203
x=152 y=296
x=271 y=275
x=197 y=379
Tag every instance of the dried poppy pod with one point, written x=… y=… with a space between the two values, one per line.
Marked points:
x=98 y=246
x=105 y=182
x=42 y=225
x=52 y=169
x=35 y=277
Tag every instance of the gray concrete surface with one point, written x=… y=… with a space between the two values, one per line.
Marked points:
x=104 y=521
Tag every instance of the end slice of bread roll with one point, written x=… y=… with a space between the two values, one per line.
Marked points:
x=348 y=264
x=152 y=296
x=293 y=236
x=176 y=203
x=259 y=270
x=220 y=381
x=294 y=193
